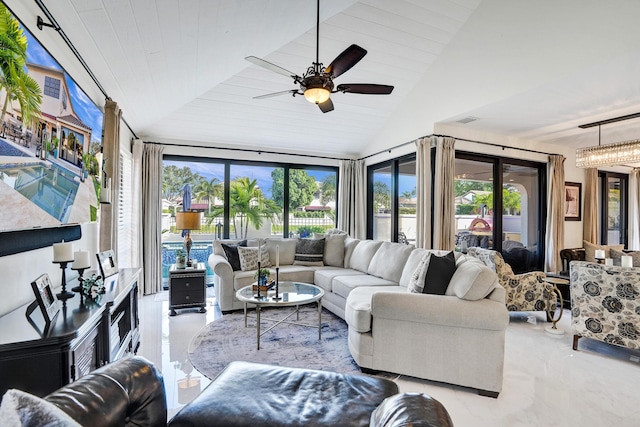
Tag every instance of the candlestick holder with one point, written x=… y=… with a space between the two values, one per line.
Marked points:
x=64 y=295
x=277 y=297
x=258 y=295
x=80 y=279
x=600 y=260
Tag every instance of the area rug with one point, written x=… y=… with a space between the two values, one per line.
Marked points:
x=226 y=339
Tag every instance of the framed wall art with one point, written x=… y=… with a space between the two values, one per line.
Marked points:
x=573 y=201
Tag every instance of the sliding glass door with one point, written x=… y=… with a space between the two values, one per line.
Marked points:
x=613 y=208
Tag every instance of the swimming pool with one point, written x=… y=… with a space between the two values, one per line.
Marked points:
x=51 y=188
x=7 y=149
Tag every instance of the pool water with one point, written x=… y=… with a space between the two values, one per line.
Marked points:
x=7 y=149
x=52 y=188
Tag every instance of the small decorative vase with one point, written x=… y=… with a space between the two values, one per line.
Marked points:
x=263 y=280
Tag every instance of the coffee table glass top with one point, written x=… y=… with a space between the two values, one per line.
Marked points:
x=291 y=293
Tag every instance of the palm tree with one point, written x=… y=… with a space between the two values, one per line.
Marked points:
x=14 y=79
x=248 y=205
x=208 y=190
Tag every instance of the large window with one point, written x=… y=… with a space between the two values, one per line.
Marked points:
x=485 y=186
x=391 y=200
x=52 y=87
x=243 y=200
x=613 y=206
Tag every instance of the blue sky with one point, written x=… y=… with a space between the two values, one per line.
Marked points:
x=82 y=105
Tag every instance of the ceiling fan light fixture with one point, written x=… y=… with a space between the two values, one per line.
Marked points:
x=317 y=95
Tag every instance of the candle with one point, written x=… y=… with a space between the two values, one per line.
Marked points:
x=259 y=250
x=608 y=261
x=626 y=261
x=81 y=260
x=63 y=252
x=277 y=256
x=599 y=254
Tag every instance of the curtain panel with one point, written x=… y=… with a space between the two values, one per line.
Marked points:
x=136 y=208
x=443 y=188
x=423 y=193
x=352 y=199
x=590 y=217
x=111 y=169
x=634 y=209
x=152 y=217
x=555 y=214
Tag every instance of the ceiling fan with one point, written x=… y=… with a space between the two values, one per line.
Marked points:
x=316 y=84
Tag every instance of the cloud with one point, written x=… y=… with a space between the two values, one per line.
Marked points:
x=36 y=54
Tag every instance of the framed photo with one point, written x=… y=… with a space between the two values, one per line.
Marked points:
x=107 y=263
x=573 y=201
x=46 y=299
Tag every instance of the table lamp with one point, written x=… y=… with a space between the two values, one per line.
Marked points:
x=188 y=221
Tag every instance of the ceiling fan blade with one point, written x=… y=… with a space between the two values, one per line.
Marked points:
x=347 y=59
x=326 y=106
x=270 y=95
x=273 y=67
x=365 y=88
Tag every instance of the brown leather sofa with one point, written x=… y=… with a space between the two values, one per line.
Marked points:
x=568 y=255
x=130 y=392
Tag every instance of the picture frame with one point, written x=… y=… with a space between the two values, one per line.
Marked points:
x=573 y=201
x=46 y=298
x=107 y=263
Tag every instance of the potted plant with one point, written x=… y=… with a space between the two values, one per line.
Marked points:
x=86 y=164
x=264 y=274
x=181 y=259
x=54 y=146
x=93 y=288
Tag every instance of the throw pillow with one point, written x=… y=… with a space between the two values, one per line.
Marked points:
x=231 y=252
x=590 y=250
x=309 y=252
x=416 y=282
x=249 y=258
x=439 y=273
x=23 y=409
x=617 y=257
x=472 y=281
x=334 y=249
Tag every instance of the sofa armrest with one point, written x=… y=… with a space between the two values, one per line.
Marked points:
x=439 y=310
x=410 y=409
x=220 y=266
x=127 y=392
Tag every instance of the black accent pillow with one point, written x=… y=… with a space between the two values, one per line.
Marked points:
x=231 y=251
x=439 y=273
x=309 y=252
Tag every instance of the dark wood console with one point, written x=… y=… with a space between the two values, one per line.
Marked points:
x=82 y=338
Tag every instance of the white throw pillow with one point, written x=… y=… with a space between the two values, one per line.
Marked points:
x=416 y=283
x=249 y=258
x=389 y=260
x=334 y=249
x=472 y=281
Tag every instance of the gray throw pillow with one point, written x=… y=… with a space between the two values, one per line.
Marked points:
x=309 y=252
x=23 y=409
x=334 y=249
x=616 y=255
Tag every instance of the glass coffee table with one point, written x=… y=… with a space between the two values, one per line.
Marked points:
x=291 y=294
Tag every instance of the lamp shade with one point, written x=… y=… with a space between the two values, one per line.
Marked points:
x=316 y=95
x=188 y=220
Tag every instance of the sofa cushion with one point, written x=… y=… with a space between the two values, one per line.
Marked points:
x=343 y=285
x=231 y=253
x=287 y=249
x=389 y=260
x=334 y=249
x=363 y=253
x=410 y=266
x=309 y=252
x=324 y=277
x=349 y=246
x=590 y=250
x=439 y=272
x=23 y=409
x=617 y=257
x=249 y=258
x=358 y=306
x=472 y=280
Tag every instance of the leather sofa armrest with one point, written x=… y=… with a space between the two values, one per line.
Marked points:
x=571 y=254
x=127 y=392
x=440 y=310
x=410 y=409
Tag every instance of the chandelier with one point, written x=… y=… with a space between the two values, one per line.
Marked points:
x=608 y=154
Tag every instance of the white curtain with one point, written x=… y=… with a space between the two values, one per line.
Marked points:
x=352 y=201
x=634 y=205
x=555 y=214
x=423 y=193
x=443 y=197
x=152 y=217
x=590 y=217
x=111 y=156
x=136 y=208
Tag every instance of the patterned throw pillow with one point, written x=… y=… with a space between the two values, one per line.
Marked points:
x=416 y=283
x=249 y=258
x=309 y=252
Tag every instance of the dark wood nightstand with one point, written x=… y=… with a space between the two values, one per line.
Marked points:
x=187 y=288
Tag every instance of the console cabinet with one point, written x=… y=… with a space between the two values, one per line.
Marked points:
x=83 y=337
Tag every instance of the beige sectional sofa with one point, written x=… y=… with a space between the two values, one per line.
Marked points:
x=456 y=338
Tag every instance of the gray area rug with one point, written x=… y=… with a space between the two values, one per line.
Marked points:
x=226 y=339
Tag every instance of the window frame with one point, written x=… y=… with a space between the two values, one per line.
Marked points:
x=603 y=178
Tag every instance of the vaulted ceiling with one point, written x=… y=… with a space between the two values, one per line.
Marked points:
x=523 y=69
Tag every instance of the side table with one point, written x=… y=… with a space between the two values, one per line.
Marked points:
x=187 y=287
x=555 y=281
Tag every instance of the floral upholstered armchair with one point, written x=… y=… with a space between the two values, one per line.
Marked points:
x=525 y=292
x=605 y=303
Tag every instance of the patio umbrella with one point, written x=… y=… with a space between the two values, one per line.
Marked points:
x=186 y=202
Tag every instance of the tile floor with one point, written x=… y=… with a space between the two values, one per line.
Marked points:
x=546 y=383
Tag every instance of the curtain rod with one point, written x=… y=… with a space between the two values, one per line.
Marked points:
x=247 y=150
x=79 y=57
